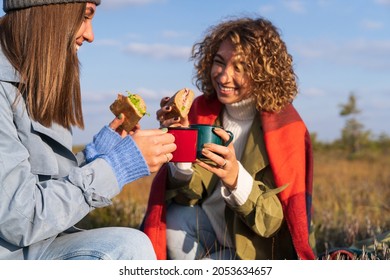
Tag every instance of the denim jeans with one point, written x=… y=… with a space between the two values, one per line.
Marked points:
x=110 y=243
x=190 y=235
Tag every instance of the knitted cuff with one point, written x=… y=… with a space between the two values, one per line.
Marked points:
x=239 y=196
x=102 y=143
x=127 y=162
x=181 y=171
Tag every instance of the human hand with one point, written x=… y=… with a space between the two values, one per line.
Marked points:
x=224 y=163
x=162 y=116
x=116 y=123
x=156 y=146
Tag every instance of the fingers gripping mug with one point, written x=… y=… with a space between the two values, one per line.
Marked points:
x=186 y=144
x=206 y=134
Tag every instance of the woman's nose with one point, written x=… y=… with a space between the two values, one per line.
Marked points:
x=226 y=74
x=88 y=33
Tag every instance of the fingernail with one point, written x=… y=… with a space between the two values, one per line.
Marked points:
x=167 y=107
x=164 y=129
x=176 y=118
x=120 y=116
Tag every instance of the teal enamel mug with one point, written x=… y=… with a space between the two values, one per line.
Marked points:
x=206 y=134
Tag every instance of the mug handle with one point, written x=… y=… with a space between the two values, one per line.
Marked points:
x=231 y=136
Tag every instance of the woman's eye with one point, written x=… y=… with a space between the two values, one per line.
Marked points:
x=239 y=68
x=218 y=61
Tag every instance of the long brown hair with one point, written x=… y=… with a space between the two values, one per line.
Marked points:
x=264 y=54
x=40 y=43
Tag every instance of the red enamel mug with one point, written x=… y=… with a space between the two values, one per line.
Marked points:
x=186 y=140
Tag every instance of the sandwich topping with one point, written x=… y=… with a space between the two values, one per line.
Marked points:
x=185 y=97
x=136 y=102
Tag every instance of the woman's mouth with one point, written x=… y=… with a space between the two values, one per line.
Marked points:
x=226 y=90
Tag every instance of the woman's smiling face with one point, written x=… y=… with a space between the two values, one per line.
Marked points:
x=85 y=33
x=228 y=76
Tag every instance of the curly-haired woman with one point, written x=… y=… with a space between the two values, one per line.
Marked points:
x=253 y=201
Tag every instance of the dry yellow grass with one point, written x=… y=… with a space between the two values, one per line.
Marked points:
x=351 y=198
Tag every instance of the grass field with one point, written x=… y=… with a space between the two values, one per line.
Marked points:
x=351 y=200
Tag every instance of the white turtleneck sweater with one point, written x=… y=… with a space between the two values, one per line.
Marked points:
x=237 y=118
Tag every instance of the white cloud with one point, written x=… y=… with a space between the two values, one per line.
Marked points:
x=383 y=2
x=309 y=51
x=148 y=93
x=160 y=51
x=313 y=92
x=383 y=104
x=295 y=6
x=173 y=34
x=371 y=24
x=324 y=3
x=266 y=9
x=367 y=54
x=107 y=42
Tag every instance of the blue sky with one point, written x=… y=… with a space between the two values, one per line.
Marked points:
x=338 y=47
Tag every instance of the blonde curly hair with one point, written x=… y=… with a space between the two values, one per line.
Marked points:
x=263 y=54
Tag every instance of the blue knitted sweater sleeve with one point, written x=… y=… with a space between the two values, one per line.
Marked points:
x=102 y=143
x=127 y=162
x=122 y=154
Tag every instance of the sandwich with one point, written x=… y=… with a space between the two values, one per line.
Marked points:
x=180 y=103
x=132 y=106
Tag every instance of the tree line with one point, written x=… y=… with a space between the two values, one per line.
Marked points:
x=355 y=138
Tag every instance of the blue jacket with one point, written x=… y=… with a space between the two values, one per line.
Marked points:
x=45 y=189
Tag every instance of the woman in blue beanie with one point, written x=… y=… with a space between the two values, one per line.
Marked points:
x=45 y=189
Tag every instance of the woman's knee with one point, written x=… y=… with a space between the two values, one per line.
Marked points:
x=181 y=217
x=131 y=244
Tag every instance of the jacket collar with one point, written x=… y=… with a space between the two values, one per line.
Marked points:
x=7 y=72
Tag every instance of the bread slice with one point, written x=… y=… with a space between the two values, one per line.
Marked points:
x=133 y=107
x=181 y=103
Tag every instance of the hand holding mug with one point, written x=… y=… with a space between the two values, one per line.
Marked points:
x=221 y=157
x=156 y=146
x=207 y=134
